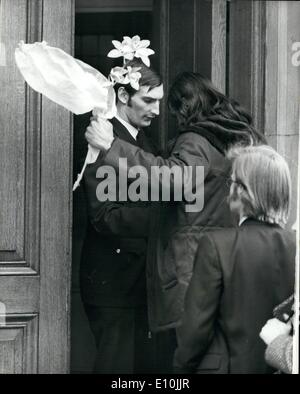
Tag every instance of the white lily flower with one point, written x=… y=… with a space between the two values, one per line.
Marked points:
x=144 y=54
x=118 y=74
x=130 y=48
x=141 y=49
x=121 y=50
x=134 y=76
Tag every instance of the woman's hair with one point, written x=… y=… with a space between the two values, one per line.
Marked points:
x=194 y=99
x=265 y=183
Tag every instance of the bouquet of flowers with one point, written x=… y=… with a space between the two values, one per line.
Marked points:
x=77 y=86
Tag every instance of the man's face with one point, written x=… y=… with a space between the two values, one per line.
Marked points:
x=143 y=106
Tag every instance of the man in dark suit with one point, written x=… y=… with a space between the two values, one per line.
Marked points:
x=240 y=274
x=113 y=280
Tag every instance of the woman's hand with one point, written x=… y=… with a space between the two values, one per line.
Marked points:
x=99 y=133
x=273 y=328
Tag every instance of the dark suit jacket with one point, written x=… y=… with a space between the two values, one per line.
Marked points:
x=175 y=231
x=240 y=275
x=112 y=270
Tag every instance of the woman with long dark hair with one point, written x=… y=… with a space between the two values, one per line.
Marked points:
x=209 y=123
x=195 y=102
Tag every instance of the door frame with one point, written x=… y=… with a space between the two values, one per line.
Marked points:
x=56 y=205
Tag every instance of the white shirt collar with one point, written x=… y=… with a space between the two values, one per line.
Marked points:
x=131 y=129
x=242 y=219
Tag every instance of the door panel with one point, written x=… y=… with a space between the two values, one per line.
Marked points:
x=188 y=36
x=246 y=54
x=12 y=148
x=35 y=195
x=18 y=341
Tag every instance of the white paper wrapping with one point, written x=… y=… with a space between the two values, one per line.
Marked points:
x=68 y=82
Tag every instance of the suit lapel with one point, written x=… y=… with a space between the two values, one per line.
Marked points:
x=142 y=140
x=121 y=132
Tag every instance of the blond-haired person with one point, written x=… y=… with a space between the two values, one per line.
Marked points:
x=241 y=274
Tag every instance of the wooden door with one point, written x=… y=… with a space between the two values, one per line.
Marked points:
x=246 y=48
x=188 y=36
x=262 y=76
x=35 y=195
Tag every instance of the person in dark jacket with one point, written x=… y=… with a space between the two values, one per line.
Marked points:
x=112 y=273
x=240 y=274
x=209 y=123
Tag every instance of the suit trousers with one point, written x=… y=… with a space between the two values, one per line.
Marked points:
x=124 y=343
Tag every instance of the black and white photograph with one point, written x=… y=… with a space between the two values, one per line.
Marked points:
x=149 y=189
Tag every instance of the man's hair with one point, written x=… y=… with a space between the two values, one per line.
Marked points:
x=149 y=77
x=264 y=178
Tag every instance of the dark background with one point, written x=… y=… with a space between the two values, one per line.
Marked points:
x=94 y=33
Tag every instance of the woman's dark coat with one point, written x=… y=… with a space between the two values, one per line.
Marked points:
x=175 y=231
